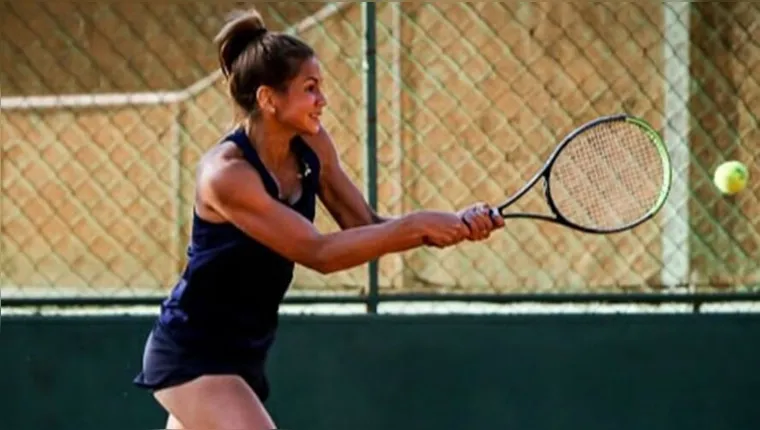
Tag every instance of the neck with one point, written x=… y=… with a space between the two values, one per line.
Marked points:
x=272 y=142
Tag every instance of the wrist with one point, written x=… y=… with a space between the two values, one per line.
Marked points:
x=412 y=227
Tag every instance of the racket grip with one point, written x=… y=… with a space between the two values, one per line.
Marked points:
x=495 y=213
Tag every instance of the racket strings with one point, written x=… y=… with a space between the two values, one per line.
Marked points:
x=608 y=176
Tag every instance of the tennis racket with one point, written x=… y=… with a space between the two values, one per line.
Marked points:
x=607 y=176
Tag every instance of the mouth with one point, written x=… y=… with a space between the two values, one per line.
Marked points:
x=315 y=116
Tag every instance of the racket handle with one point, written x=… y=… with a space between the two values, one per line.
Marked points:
x=495 y=213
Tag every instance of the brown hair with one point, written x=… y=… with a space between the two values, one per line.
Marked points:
x=251 y=56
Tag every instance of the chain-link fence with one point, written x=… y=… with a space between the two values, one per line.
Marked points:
x=107 y=107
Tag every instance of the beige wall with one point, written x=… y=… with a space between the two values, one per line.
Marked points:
x=486 y=91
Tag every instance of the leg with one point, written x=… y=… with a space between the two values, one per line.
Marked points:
x=173 y=424
x=216 y=401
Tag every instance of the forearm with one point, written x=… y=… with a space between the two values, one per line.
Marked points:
x=349 y=248
x=357 y=213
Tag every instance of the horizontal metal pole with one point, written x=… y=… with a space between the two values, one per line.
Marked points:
x=355 y=299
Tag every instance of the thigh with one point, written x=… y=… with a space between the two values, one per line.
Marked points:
x=216 y=401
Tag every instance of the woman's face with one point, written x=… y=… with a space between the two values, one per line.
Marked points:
x=300 y=107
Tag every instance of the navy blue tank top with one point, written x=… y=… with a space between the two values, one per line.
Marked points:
x=232 y=286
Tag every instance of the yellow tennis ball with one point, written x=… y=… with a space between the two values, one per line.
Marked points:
x=731 y=177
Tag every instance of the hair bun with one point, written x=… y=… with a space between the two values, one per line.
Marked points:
x=242 y=28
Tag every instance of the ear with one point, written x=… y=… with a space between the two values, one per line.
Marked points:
x=266 y=100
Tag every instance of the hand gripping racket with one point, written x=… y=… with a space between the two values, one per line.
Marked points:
x=607 y=176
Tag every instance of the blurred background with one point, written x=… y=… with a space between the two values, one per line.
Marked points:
x=107 y=106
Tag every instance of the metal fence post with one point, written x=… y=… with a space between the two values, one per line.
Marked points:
x=370 y=91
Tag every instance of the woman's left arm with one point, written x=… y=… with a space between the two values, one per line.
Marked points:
x=349 y=208
x=340 y=196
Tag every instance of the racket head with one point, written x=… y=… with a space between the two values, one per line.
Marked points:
x=609 y=175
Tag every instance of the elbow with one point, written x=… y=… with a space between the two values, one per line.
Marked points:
x=318 y=259
x=324 y=265
x=324 y=270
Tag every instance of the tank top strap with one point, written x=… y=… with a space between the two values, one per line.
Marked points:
x=309 y=166
x=240 y=139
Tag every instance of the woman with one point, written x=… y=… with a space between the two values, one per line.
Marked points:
x=253 y=221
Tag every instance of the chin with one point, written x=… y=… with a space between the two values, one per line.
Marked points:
x=311 y=129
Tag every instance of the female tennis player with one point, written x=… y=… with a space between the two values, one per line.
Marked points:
x=253 y=221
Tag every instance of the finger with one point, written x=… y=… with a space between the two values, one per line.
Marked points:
x=490 y=221
x=497 y=220
x=468 y=227
x=477 y=226
x=481 y=225
x=467 y=231
x=464 y=225
x=500 y=221
x=477 y=231
x=467 y=220
x=485 y=229
x=485 y=223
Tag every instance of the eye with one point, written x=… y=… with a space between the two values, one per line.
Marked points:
x=311 y=88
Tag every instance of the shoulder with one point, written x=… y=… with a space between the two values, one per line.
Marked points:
x=223 y=173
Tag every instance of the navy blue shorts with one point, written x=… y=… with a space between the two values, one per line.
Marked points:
x=169 y=362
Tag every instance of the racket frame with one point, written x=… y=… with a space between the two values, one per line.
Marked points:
x=545 y=174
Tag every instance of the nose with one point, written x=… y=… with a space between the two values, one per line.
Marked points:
x=321 y=100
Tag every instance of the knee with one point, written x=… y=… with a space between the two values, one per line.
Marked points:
x=173 y=423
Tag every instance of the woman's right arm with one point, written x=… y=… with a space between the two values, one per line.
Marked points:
x=235 y=192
